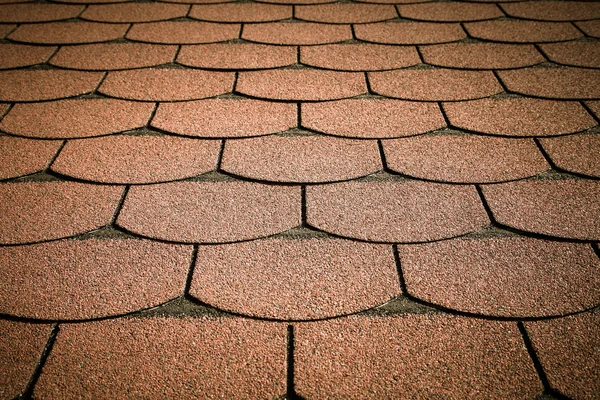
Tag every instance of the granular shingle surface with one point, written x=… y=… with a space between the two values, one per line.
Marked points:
x=564 y=346
x=20 y=349
x=510 y=277
x=65 y=119
x=83 y=279
x=165 y=84
x=36 y=211
x=182 y=358
x=308 y=159
x=391 y=211
x=519 y=116
x=295 y=279
x=137 y=159
x=434 y=84
x=68 y=32
x=183 y=32
x=367 y=118
x=460 y=159
x=210 y=212
x=35 y=85
x=560 y=208
x=216 y=118
x=19 y=156
x=196 y=194
x=413 y=356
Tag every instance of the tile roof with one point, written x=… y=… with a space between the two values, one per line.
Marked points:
x=299 y=199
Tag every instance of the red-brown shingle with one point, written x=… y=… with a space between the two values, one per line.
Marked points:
x=395 y=211
x=579 y=54
x=464 y=159
x=18 y=55
x=301 y=158
x=36 y=211
x=134 y=12
x=450 y=11
x=413 y=356
x=559 y=208
x=575 y=153
x=183 y=32
x=137 y=159
x=35 y=85
x=507 y=277
x=21 y=346
x=37 y=12
x=434 y=84
x=210 y=212
x=113 y=56
x=180 y=357
x=481 y=55
x=569 y=350
x=346 y=13
x=241 y=12
x=166 y=84
x=554 y=11
x=515 y=31
x=296 y=33
x=359 y=57
x=237 y=56
x=295 y=278
x=221 y=118
x=68 y=32
x=76 y=118
x=409 y=32
x=20 y=156
x=372 y=119
x=519 y=116
x=92 y=278
x=297 y=84
x=554 y=83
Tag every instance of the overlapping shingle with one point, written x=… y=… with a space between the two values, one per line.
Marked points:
x=391 y=211
x=36 y=85
x=221 y=118
x=464 y=159
x=519 y=116
x=295 y=278
x=20 y=349
x=237 y=56
x=210 y=212
x=359 y=57
x=64 y=119
x=19 y=157
x=557 y=208
x=183 y=32
x=165 y=84
x=296 y=33
x=507 y=277
x=184 y=357
x=409 y=32
x=39 y=211
x=301 y=159
x=301 y=84
x=434 y=84
x=68 y=32
x=518 y=31
x=134 y=12
x=137 y=159
x=84 y=279
x=367 y=118
x=413 y=356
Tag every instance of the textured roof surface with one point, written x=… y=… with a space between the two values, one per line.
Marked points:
x=300 y=199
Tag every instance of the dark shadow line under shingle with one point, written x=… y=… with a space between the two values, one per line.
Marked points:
x=28 y=394
x=548 y=390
